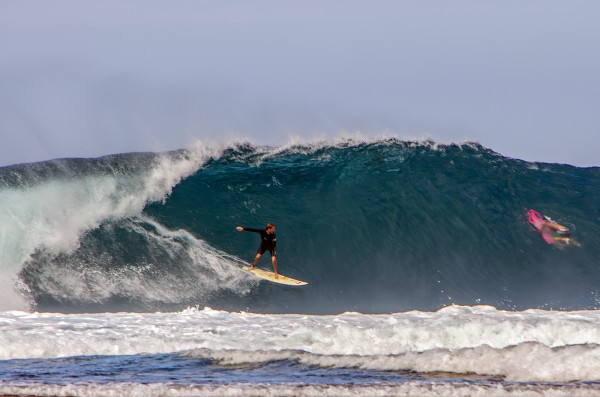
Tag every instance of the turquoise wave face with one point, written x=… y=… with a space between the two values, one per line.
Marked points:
x=382 y=226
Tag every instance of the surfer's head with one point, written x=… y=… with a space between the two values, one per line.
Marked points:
x=270 y=227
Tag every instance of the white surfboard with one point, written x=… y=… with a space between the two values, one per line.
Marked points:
x=281 y=279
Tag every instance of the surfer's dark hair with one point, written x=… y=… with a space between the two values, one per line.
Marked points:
x=270 y=225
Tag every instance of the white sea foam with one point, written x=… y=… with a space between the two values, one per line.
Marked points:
x=53 y=214
x=525 y=362
x=533 y=345
x=464 y=389
x=202 y=270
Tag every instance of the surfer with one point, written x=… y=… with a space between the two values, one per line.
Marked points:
x=268 y=242
x=551 y=231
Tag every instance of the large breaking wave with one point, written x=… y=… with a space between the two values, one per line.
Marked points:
x=379 y=226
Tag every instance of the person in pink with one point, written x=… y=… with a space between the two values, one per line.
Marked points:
x=551 y=231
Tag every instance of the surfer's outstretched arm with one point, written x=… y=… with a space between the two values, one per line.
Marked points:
x=249 y=229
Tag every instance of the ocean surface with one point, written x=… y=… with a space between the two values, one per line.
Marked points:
x=122 y=275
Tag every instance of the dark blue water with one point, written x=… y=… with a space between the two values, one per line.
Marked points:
x=180 y=370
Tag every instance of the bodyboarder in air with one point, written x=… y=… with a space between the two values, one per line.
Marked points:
x=268 y=242
x=551 y=231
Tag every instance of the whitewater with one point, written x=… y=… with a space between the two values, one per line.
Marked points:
x=121 y=275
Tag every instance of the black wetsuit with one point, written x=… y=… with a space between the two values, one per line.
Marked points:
x=268 y=242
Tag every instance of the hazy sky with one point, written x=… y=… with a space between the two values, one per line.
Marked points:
x=88 y=78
